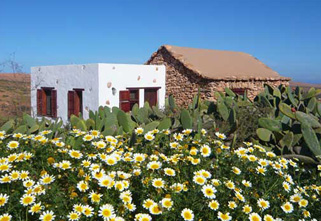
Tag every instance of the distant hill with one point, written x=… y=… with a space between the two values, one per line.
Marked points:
x=304 y=85
x=14 y=95
x=20 y=77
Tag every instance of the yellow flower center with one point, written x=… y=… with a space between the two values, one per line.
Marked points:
x=2 y=201
x=27 y=200
x=106 y=213
x=224 y=216
x=47 y=217
x=5 y=218
x=255 y=218
x=187 y=215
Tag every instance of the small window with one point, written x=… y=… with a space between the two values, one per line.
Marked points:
x=47 y=102
x=128 y=98
x=124 y=100
x=133 y=97
x=151 y=96
x=75 y=102
x=239 y=91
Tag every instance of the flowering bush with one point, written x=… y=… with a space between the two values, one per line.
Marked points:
x=158 y=175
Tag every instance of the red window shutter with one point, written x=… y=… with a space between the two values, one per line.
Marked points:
x=71 y=103
x=54 y=103
x=151 y=96
x=124 y=103
x=39 y=102
x=76 y=104
x=44 y=103
x=124 y=95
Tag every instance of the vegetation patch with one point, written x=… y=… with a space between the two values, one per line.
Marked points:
x=160 y=175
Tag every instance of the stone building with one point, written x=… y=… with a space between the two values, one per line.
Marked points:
x=187 y=69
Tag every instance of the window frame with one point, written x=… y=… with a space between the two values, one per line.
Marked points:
x=146 y=88
x=134 y=101
x=153 y=89
x=45 y=108
x=75 y=96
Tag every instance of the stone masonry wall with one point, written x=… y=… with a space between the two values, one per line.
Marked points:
x=183 y=83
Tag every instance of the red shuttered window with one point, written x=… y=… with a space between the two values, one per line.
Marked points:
x=75 y=102
x=124 y=100
x=47 y=102
x=128 y=98
x=133 y=97
x=151 y=96
x=71 y=95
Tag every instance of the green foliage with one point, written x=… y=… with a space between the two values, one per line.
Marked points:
x=123 y=121
x=29 y=125
x=270 y=124
x=286 y=110
x=59 y=171
x=247 y=122
x=294 y=124
x=264 y=134
x=171 y=102
x=186 y=119
x=282 y=119
x=7 y=126
x=165 y=124
x=307 y=119
x=311 y=139
x=151 y=126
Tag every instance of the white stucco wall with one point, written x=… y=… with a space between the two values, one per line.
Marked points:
x=64 y=78
x=94 y=78
x=122 y=76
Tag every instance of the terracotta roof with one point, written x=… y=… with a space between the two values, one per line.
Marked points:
x=227 y=65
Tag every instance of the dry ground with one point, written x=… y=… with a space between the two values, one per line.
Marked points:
x=14 y=95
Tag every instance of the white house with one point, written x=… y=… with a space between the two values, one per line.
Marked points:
x=62 y=90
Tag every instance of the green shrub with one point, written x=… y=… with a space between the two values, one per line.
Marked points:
x=295 y=114
x=293 y=128
x=156 y=174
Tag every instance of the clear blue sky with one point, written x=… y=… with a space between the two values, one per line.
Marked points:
x=286 y=35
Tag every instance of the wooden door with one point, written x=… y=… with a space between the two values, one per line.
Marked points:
x=151 y=96
x=124 y=100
